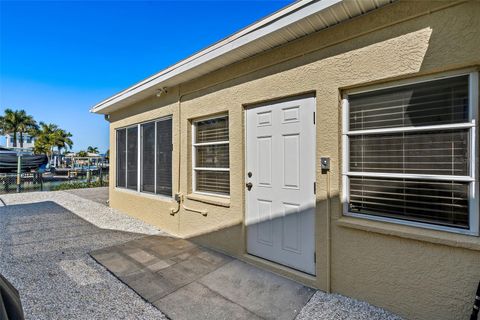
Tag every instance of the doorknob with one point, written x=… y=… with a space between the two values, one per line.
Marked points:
x=249 y=185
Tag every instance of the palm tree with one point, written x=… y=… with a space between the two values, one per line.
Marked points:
x=14 y=122
x=62 y=140
x=46 y=139
x=82 y=154
x=91 y=149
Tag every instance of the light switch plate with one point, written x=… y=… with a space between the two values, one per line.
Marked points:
x=325 y=163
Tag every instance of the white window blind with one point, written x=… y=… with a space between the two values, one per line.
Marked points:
x=410 y=153
x=211 y=159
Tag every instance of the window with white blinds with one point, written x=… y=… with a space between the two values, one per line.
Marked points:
x=410 y=153
x=211 y=159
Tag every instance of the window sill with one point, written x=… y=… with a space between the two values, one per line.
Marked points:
x=145 y=195
x=414 y=233
x=218 y=201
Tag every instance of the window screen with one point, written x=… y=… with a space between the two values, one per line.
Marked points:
x=148 y=157
x=164 y=157
x=211 y=161
x=132 y=158
x=409 y=152
x=121 y=158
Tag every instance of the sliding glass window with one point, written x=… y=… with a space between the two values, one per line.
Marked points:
x=145 y=151
x=121 y=158
x=127 y=158
x=132 y=158
x=148 y=157
x=163 y=156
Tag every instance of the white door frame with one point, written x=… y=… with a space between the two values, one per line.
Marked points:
x=245 y=179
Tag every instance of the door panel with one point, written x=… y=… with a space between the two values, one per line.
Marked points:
x=280 y=207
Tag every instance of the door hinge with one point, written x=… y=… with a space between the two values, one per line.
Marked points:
x=313 y=117
x=315 y=188
x=315 y=257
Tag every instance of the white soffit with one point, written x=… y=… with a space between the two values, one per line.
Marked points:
x=295 y=21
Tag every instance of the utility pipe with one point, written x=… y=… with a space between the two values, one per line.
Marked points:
x=329 y=238
x=179 y=196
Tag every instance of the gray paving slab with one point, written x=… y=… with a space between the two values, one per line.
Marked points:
x=203 y=303
x=186 y=281
x=266 y=294
x=156 y=266
x=149 y=285
x=117 y=262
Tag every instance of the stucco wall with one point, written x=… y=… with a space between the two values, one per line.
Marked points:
x=418 y=273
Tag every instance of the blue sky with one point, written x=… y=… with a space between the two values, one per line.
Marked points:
x=57 y=59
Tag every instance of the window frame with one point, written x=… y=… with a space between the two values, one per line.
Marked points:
x=140 y=158
x=473 y=202
x=194 y=154
x=126 y=157
x=156 y=121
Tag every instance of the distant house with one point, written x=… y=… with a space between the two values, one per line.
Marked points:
x=28 y=141
x=334 y=142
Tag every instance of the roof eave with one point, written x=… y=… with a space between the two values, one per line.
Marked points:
x=185 y=69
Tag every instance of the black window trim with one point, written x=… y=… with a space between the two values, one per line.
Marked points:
x=139 y=161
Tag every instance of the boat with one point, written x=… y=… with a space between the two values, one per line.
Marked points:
x=29 y=161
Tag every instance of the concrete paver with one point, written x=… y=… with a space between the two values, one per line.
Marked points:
x=203 y=303
x=186 y=281
x=266 y=294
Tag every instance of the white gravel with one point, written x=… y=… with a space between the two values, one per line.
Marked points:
x=44 y=245
x=96 y=213
x=337 y=307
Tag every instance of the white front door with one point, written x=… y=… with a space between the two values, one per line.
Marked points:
x=280 y=165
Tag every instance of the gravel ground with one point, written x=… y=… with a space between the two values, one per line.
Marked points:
x=337 y=307
x=44 y=253
x=94 y=212
x=99 y=194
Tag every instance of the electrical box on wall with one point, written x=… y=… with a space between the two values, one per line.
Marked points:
x=178 y=197
x=325 y=163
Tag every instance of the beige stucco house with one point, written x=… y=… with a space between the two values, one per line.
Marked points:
x=334 y=142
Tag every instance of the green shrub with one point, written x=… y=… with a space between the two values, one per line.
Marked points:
x=79 y=185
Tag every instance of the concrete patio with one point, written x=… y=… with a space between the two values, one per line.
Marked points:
x=168 y=272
